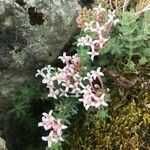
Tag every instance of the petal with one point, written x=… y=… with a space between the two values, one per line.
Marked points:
x=104 y=103
x=45 y=114
x=40 y=124
x=45 y=138
x=63 y=127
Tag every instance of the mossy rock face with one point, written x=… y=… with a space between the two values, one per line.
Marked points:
x=128 y=128
x=31 y=38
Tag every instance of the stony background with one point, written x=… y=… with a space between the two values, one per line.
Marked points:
x=31 y=36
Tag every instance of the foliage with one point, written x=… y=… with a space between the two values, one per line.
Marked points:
x=129 y=44
x=24 y=114
x=78 y=78
x=125 y=50
x=127 y=128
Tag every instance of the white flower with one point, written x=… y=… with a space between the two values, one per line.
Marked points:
x=96 y=73
x=52 y=138
x=88 y=77
x=93 y=54
x=53 y=93
x=86 y=41
x=100 y=101
x=97 y=28
x=63 y=93
x=67 y=86
x=88 y=26
x=64 y=58
x=46 y=71
x=99 y=9
x=111 y=16
x=47 y=120
x=81 y=41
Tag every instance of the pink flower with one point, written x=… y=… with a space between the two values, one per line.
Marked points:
x=97 y=28
x=52 y=138
x=96 y=73
x=101 y=41
x=47 y=121
x=90 y=99
x=64 y=58
x=87 y=97
x=55 y=127
x=86 y=41
x=100 y=101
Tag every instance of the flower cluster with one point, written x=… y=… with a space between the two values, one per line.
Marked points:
x=55 y=127
x=66 y=80
x=73 y=80
x=96 y=25
x=69 y=81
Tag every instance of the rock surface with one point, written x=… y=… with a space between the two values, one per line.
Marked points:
x=2 y=144
x=30 y=38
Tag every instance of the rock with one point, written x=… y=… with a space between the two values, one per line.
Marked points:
x=32 y=36
x=2 y=144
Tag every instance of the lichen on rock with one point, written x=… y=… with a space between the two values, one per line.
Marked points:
x=2 y=144
x=30 y=38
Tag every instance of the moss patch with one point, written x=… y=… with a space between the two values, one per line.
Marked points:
x=128 y=128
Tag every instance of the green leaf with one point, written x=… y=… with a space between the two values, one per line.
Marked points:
x=143 y=61
x=102 y=113
x=131 y=65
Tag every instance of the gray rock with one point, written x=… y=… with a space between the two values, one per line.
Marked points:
x=31 y=38
x=2 y=144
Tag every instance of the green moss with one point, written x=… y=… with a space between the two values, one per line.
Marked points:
x=128 y=128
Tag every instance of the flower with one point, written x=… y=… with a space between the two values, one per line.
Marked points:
x=67 y=86
x=93 y=54
x=52 y=138
x=87 y=97
x=47 y=71
x=100 y=101
x=91 y=99
x=47 y=120
x=111 y=16
x=99 y=9
x=55 y=127
x=53 y=93
x=97 y=28
x=100 y=41
x=88 y=26
x=96 y=73
x=64 y=58
x=63 y=93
